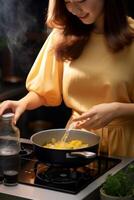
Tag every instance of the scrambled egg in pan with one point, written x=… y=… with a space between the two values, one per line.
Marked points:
x=73 y=144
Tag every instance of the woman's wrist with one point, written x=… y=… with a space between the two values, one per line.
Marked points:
x=23 y=102
x=124 y=109
x=31 y=101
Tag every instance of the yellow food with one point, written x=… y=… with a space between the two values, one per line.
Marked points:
x=73 y=144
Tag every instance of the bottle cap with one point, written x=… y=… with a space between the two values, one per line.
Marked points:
x=7 y=115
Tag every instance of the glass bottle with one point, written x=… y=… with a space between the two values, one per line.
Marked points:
x=9 y=150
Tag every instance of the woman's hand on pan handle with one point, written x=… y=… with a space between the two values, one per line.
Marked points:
x=98 y=116
x=15 y=106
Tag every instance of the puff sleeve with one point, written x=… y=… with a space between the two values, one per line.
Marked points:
x=45 y=76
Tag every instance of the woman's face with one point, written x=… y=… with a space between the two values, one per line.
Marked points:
x=88 y=11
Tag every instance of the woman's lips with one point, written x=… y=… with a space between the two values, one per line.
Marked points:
x=83 y=17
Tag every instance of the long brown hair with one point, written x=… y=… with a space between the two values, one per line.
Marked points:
x=75 y=34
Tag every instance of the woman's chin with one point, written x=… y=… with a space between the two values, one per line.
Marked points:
x=86 y=21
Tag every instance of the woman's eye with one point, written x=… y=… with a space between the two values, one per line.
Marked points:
x=66 y=2
x=81 y=1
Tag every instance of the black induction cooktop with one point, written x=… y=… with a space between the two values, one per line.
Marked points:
x=58 y=178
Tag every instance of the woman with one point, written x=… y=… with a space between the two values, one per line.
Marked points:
x=88 y=61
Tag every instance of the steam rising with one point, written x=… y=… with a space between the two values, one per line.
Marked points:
x=15 y=21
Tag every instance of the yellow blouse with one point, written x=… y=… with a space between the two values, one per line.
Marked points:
x=97 y=76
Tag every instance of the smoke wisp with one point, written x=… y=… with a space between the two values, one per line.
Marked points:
x=15 y=20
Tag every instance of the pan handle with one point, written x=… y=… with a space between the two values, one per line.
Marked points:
x=85 y=154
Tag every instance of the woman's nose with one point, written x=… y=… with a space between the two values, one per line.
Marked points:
x=76 y=10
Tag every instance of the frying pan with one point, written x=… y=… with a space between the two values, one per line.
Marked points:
x=65 y=157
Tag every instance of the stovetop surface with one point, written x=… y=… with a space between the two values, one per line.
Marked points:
x=68 y=180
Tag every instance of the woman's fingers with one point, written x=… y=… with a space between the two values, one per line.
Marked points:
x=4 y=106
x=83 y=120
x=88 y=123
x=84 y=116
x=84 y=123
x=13 y=107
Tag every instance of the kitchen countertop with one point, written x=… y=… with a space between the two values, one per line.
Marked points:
x=36 y=193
